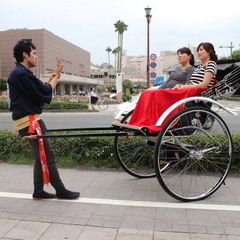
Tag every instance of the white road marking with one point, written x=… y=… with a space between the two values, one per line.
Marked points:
x=134 y=203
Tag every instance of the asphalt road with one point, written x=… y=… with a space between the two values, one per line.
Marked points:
x=105 y=118
x=67 y=120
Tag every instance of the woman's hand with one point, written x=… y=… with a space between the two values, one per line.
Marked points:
x=178 y=86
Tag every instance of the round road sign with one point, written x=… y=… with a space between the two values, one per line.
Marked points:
x=153 y=65
x=153 y=74
x=153 y=56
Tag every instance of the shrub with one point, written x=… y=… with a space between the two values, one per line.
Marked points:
x=11 y=150
x=79 y=151
x=65 y=105
x=71 y=151
x=3 y=104
x=126 y=97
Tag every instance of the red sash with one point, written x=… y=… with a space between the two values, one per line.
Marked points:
x=35 y=126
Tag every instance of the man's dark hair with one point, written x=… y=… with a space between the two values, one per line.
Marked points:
x=22 y=46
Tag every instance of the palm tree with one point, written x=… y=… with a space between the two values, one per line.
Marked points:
x=120 y=27
x=108 y=49
x=115 y=51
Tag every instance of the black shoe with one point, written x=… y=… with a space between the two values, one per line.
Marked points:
x=66 y=194
x=43 y=195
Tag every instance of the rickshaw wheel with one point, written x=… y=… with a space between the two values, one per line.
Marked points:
x=199 y=157
x=135 y=153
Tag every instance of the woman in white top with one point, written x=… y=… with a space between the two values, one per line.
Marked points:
x=203 y=76
x=93 y=96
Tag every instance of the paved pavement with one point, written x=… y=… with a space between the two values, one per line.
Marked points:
x=113 y=206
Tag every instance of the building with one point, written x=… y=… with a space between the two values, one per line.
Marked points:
x=135 y=68
x=50 y=47
x=170 y=57
x=105 y=73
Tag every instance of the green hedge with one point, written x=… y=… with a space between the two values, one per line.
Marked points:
x=82 y=151
x=78 y=151
x=52 y=105
x=3 y=104
x=65 y=105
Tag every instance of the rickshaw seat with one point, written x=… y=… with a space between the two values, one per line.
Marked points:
x=152 y=104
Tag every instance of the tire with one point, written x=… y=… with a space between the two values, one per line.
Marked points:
x=199 y=158
x=135 y=153
x=103 y=105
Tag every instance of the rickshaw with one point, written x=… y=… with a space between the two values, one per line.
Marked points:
x=189 y=148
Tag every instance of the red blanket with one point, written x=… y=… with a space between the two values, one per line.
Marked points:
x=153 y=103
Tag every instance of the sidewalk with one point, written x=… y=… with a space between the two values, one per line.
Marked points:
x=113 y=206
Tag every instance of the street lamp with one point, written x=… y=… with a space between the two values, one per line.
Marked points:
x=231 y=47
x=148 y=17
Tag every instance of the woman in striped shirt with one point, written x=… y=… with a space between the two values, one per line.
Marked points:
x=203 y=76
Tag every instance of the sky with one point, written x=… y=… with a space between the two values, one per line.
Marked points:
x=89 y=24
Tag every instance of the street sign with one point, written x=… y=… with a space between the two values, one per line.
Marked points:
x=159 y=80
x=153 y=74
x=153 y=56
x=153 y=65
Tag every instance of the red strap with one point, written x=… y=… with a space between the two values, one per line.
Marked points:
x=35 y=126
x=31 y=128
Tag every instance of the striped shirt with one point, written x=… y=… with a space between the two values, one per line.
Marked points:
x=198 y=75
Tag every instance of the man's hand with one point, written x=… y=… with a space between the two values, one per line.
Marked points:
x=59 y=67
x=58 y=70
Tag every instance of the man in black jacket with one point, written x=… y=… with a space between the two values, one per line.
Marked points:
x=27 y=95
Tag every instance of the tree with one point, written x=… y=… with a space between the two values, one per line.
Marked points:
x=128 y=84
x=108 y=49
x=235 y=55
x=115 y=51
x=100 y=89
x=120 y=27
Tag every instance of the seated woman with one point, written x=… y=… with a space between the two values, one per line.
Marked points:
x=152 y=104
x=182 y=73
x=203 y=76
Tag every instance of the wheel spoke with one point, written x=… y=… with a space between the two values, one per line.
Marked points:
x=199 y=157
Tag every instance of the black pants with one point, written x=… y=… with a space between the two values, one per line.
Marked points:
x=55 y=180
